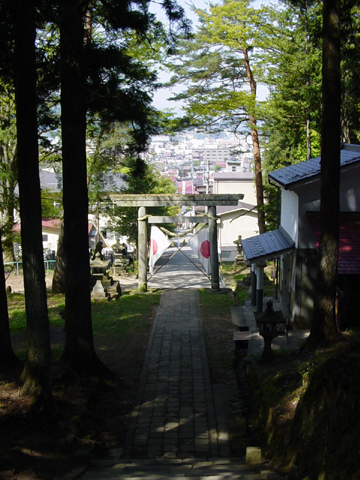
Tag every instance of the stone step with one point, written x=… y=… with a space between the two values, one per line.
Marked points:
x=209 y=475
x=177 y=469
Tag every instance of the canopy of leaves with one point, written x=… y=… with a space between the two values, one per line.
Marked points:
x=212 y=66
x=141 y=178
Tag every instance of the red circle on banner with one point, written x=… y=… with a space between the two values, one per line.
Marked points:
x=205 y=249
x=154 y=246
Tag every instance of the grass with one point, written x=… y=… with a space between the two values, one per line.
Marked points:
x=114 y=318
x=218 y=329
x=211 y=303
x=129 y=312
x=17 y=314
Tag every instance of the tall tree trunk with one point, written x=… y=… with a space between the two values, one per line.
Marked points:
x=256 y=149
x=58 y=283
x=323 y=322
x=7 y=355
x=345 y=122
x=307 y=114
x=7 y=193
x=79 y=352
x=37 y=372
x=308 y=135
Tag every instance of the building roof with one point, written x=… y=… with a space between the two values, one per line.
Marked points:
x=233 y=176
x=221 y=210
x=54 y=223
x=349 y=244
x=91 y=228
x=50 y=179
x=267 y=245
x=113 y=182
x=289 y=176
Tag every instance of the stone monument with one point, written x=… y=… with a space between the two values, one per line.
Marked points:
x=121 y=259
x=103 y=286
x=239 y=258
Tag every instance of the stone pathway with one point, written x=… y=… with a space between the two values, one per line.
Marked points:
x=175 y=429
x=174 y=407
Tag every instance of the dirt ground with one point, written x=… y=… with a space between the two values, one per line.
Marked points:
x=90 y=415
x=16 y=283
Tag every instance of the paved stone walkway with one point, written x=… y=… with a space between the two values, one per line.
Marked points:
x=174 y=406
x=174 y=429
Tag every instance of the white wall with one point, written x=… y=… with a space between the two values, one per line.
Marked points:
x=246 y=226
x=245 y=187
x=290 y=214
x=350 y=191
x=52 y=241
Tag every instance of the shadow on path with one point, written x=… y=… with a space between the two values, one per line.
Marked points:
x=179 y=272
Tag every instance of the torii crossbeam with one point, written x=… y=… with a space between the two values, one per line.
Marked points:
x=164 y=200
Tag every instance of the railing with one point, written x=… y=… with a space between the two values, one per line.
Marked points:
x=17 y=267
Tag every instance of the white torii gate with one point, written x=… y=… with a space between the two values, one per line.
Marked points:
x=142 y=201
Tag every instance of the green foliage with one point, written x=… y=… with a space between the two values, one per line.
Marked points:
x=350 y=70
x=241 y=295
x=141 y=178
x=51 y=203
x=293 y=72
x=17 y=313
x=293 y=76
x=213 y=65
x=8 y=147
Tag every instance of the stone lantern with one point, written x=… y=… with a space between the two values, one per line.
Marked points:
x=98 y=268
x=121 y=259
x=271 y=324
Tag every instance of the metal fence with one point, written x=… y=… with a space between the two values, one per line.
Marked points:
x=17 y=267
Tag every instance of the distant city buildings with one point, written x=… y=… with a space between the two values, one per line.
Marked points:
x=191 y=159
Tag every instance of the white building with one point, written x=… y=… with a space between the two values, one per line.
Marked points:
x=297 y=239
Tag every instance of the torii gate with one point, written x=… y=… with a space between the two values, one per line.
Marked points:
x=144 y=200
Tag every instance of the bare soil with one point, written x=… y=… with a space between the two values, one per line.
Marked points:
x=91 y=415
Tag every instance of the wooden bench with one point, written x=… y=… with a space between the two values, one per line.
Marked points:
x=241 y=339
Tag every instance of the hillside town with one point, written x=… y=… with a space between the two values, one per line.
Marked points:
x=192 y=159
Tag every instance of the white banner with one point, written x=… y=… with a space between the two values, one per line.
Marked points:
x=158 y=244
x=200 y=244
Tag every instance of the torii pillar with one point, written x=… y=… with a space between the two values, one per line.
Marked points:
x=214 y=257
x=142 y=250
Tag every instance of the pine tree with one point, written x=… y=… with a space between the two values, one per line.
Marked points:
x=220 y=67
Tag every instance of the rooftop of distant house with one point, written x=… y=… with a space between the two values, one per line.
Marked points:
x=231 y=176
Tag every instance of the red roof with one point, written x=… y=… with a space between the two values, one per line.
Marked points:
x=51 y=223
x=349 y=240
x=54 y=223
